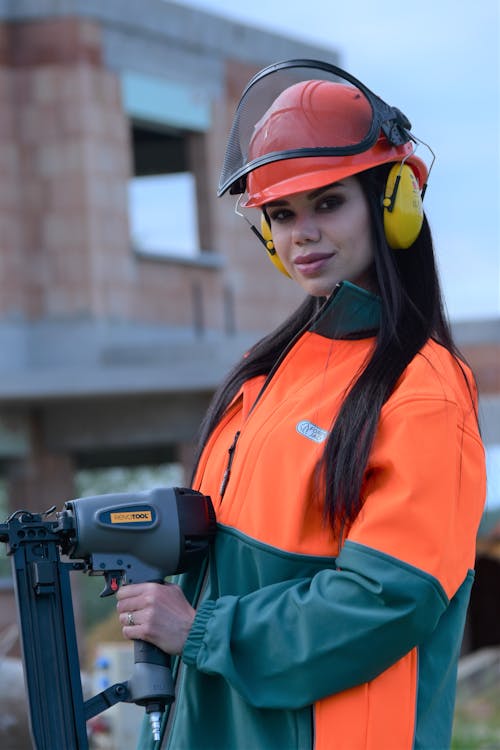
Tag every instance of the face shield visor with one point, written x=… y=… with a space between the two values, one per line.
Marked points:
x=302 y=124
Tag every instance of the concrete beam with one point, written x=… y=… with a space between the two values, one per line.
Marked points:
x=114 y=424
x=68 y=362
x=172 y=25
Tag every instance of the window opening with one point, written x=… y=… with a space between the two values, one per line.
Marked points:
x=162 y=193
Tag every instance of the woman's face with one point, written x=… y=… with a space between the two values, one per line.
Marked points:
x=324 y=236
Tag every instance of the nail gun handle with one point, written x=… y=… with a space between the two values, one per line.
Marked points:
x=152 y=678
x=147 y=653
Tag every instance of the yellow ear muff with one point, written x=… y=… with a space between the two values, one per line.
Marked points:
x=403 y=211
x=267 y=238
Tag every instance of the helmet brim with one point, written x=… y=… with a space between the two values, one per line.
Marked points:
x=301 y=174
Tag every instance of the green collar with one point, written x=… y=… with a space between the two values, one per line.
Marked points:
x=349 y=313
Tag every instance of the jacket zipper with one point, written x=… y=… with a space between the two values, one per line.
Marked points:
x=213 y=437
x=286 y=350
x=290 y=346
x=227 y=473
x=232 y=448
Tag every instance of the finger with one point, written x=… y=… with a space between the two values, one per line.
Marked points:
x=129 y=619
x=132 y=627
x=129 y=590
x=130 y=632
x=126 y=603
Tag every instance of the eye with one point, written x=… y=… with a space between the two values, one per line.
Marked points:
x=330 y=202
x=280 y=214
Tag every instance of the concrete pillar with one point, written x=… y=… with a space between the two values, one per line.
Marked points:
x=36 y=483
x=185 y=455
x=41 y=479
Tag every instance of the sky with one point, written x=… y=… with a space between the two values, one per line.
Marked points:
x=438 y=61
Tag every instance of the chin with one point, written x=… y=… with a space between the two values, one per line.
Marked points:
x=320 y=289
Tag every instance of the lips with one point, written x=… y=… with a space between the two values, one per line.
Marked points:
x=312 y=262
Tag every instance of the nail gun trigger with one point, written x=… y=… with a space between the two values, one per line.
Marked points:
x=113 y=580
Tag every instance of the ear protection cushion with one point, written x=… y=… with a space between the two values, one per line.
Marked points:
x=403 y=210
x=267 y=237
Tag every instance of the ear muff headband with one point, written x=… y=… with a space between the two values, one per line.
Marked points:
x=402 y=207
x=267 y=239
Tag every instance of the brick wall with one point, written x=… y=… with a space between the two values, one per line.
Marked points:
x=65 y=161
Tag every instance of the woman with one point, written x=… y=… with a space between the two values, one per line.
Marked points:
x=342 y=454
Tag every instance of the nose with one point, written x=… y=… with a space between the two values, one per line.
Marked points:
x=305 y=229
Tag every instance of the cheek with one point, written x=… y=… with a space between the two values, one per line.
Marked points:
x=363 y=239
x=368 y=241
x=281 y=241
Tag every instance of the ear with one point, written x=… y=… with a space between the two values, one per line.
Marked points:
x=403 y=210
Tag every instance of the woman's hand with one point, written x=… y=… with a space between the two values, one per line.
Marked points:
x=154 y=612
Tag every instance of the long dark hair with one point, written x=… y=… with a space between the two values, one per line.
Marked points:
x=412 y=312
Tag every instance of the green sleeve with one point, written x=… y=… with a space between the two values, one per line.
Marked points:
x=289 y=644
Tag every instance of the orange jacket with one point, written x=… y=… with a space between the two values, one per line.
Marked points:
x=298 y=644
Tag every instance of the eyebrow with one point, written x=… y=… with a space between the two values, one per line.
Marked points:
x=311 y=196
x=319 y=191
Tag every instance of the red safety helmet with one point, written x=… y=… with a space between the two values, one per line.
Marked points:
x=292 y=136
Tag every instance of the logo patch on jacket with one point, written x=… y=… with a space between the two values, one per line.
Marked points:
x=311 y=431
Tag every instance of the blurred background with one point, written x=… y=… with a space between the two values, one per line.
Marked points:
x=127 y=289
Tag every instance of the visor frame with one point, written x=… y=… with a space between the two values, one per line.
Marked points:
x=386 y=119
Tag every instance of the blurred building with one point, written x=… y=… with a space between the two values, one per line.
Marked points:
x=127 y=288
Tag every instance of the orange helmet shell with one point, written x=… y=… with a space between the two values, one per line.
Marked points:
x=316 y=114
